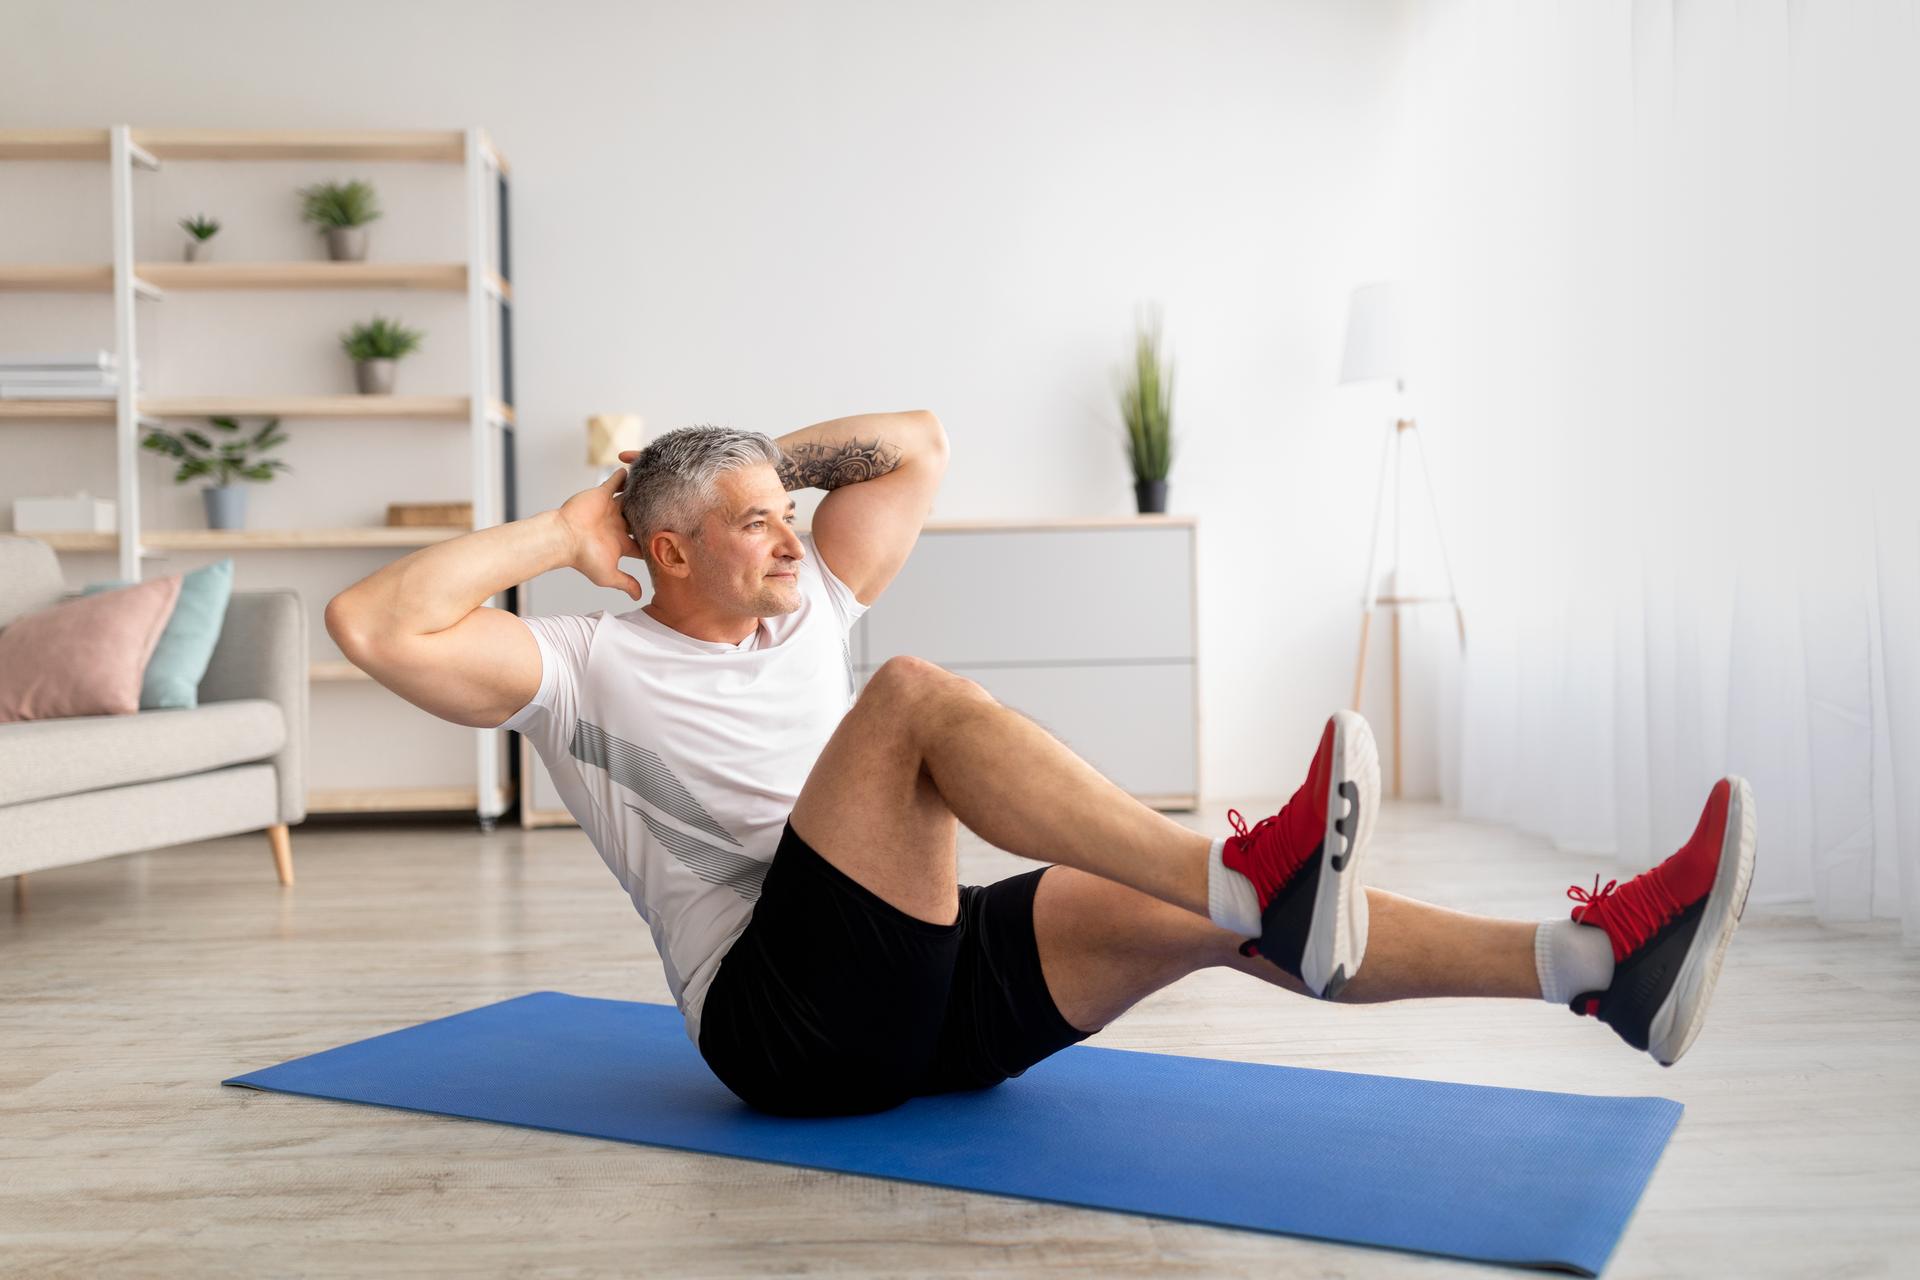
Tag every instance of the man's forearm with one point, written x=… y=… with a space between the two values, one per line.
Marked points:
x=845 y=451
x=434 y=587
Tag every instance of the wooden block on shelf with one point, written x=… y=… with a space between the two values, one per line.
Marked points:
x=436 y=514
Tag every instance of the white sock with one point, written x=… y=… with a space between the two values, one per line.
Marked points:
x=1571 y=958
x=1231 y=902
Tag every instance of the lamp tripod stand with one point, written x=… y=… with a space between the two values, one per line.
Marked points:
x=1391 y=457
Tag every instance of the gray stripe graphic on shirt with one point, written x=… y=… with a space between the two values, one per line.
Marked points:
x=713 y=864
x=639 y=769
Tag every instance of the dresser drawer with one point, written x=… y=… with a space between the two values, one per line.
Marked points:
x=1037 y=596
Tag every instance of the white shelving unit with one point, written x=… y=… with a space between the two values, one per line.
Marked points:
x=482 y=277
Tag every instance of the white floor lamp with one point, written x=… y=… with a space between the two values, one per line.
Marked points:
x=1376 y=351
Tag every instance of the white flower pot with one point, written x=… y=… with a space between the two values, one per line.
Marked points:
x=347 y=244
x=374 y=377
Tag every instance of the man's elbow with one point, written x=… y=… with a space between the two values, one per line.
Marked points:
x=344 y=626
x=933 y=438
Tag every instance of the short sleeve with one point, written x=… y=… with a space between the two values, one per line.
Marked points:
x=838 y=593
x=563 y=641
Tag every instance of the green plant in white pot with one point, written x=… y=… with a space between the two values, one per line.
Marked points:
x=230 y=460
x=374 y=345
x=341 y=211
x=200 y=231
x=1146 y=406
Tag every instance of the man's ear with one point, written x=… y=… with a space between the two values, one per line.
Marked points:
x=669 y=554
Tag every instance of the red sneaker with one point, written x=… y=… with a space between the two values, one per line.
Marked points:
x=1670 y=927
x=1305 y=862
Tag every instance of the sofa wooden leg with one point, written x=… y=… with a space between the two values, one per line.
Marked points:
x=282 y=851
x=20 y=893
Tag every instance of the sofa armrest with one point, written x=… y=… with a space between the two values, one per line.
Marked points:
x=262 y=653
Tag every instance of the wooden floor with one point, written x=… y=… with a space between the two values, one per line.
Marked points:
x=130 y=987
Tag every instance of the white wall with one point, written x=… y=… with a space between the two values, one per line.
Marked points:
x=768 y=214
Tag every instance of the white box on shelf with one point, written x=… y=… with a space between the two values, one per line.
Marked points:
x=77 y=513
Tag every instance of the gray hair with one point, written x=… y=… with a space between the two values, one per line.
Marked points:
x=671 y=485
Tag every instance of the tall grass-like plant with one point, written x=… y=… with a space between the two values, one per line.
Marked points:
x=340 y=204
x=1146 y=406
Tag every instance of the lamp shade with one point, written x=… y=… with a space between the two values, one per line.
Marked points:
x=1376 y=337
x=609 y=433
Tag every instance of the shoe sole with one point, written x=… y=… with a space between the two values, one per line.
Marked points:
x=1337 y=941
x=1679 y=1018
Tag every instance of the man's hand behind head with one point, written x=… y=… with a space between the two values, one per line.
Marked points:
x=599 y=534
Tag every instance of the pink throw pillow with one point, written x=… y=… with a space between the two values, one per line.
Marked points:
x=84 y=657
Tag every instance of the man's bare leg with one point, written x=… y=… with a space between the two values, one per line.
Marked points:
x=1105 y=947
x=923 y=748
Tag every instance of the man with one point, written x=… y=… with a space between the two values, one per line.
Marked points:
x=792 y=843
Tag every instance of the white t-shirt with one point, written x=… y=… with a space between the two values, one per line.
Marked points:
x=681 y=758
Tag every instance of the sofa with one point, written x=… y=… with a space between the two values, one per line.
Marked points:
x=85 y=787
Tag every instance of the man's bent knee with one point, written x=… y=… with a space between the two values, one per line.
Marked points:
x=907 y=679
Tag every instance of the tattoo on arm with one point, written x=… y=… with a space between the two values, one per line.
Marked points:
x=809 y=465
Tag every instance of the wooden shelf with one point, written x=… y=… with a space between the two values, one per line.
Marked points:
x=394 y=800
x=453 y=408
x=58 y=410
x=335 y=671
x=445 y=408
x=450 y=277
x=54 y=144
x=434 y=146
x=532 y=819
x=441 y=408
x=55 y=278
x=296 y=539
x=152 y=540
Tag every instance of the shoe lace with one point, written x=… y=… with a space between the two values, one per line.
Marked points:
x=1239 y=824
x=1271 y=850
x=1630 y=913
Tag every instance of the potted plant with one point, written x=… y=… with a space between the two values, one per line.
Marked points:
x=1146 y=406
x=374 y=346
x=232 y=458
x=200 y=230
x=342 y=210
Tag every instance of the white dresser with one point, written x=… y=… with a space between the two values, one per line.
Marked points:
x=1086 y=626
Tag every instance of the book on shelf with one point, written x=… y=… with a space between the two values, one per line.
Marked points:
x=70 y=361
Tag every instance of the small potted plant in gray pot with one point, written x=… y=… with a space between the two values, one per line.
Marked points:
x=374 y=345
x=342 y=210
x=226 y=461
x=1146 y=406
x=200 y=231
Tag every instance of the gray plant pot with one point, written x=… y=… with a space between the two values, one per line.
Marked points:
x=347 y=244
x=226 y=506
x=375 y=377
x=198 y=250
x=1150 y=496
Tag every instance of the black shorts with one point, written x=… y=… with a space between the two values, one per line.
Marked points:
x=834 y=1002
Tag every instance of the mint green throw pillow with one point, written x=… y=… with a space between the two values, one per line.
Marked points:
x=185 y=648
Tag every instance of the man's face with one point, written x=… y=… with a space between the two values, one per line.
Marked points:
x=748 y=552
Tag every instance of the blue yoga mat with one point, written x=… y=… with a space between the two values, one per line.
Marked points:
x=1499 y=1175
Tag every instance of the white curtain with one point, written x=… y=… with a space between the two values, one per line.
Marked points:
x=1665 y=270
